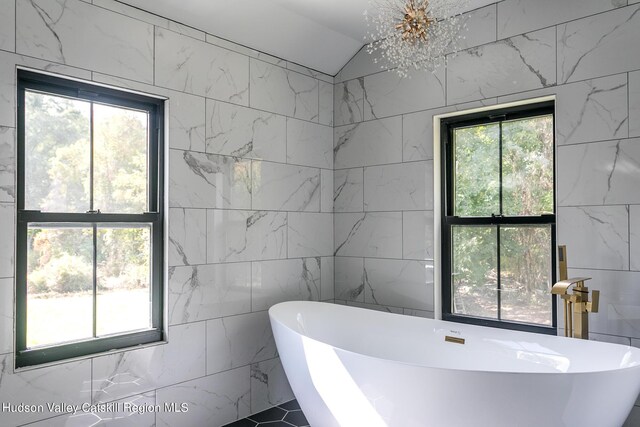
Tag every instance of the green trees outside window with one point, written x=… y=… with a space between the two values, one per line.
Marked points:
x=90 y=221
x=499 y=218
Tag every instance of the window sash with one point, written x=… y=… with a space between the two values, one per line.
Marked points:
x=498 y=220
x=31 y=81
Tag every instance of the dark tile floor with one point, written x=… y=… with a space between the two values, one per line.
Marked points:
x=284 y=415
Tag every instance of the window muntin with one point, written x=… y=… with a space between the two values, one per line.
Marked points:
x=498 y=218
x=89 y=268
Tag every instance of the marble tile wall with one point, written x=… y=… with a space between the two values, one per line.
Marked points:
x=250 y=190
x=586 y=53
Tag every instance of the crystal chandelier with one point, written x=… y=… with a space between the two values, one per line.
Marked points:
x=415 y=34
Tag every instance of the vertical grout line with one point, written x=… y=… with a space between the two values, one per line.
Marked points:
x=249 y=83
x=91 y=381
x=496 y=4
x=629 y=231
x=628 y=105
x=206 y=348
x=557 y=59
x=153 y=65
x=402 y=234
x=15 y=27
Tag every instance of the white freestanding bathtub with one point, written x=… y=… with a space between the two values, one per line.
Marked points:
x=353 y=367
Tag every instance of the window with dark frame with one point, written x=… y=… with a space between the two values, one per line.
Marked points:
x=90 y=220
x=498 y=218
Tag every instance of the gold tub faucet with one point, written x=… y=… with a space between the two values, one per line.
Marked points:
x=576 y=305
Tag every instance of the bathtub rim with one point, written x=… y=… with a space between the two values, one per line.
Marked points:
x=634 y=350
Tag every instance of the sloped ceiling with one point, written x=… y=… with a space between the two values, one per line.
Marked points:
x=318 y=34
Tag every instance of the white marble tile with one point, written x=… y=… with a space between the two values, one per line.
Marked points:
x=245 y=235
x=634 y=237
x=269 y=385
x=138 y=371
x=593 y=110
x=605 y=245
x=309 y=234
x=522 y=16
x=284 y=280
x=283 y=91
x=208 y=291
x=131 y=11
x=327 y=270
x=417 y=235
x=200 y=180
x=599 y=173
x=480 y=28
x=7 y=230
x=512 y=65
x=189 y=65
x=285 y=187
x=110 y=42
x=6 y=315
x=128 y=412
x=309 y=72
x=187 y=236
x=326 y=190
x=186 y=30
x=388 y=94
x=230 y=45
x=599 y=45
x=348 y=193
x=136 y=86
x=8 y=25
x=68 y=383
x=8 y=62
x=243 y=132
x=7 y=165
x=309 y=144
x=348 y=102
x=418 y=313
x=399 y=283
x=403 y=186
x=619 y=312
x=417 y=136
x=349 y=279
x=238 y=341
x=376 y=307
x=369 y=143
x=325 y=103
x=377 y=234
x=634 y=103
x=186 y=121
x=609 y=338
x=212 y=401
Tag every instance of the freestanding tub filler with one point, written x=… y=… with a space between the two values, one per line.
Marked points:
x=353 y=367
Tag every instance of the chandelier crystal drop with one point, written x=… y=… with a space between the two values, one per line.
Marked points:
x=415 y=34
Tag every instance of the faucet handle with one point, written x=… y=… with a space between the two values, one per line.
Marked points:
x=562 y=287
x=593 y=305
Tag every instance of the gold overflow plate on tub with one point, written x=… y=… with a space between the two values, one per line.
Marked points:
x=455 y=340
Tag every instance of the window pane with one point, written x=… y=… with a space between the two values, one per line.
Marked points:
x=57 y=153
x=527 y=166
x=59 y=283
x=477 y=170
x=525 y=274
x=474 y=271
x=120 y=163
x=124 y=277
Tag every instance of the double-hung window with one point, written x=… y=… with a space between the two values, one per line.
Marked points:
x=498 y=218
x=89 y=265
